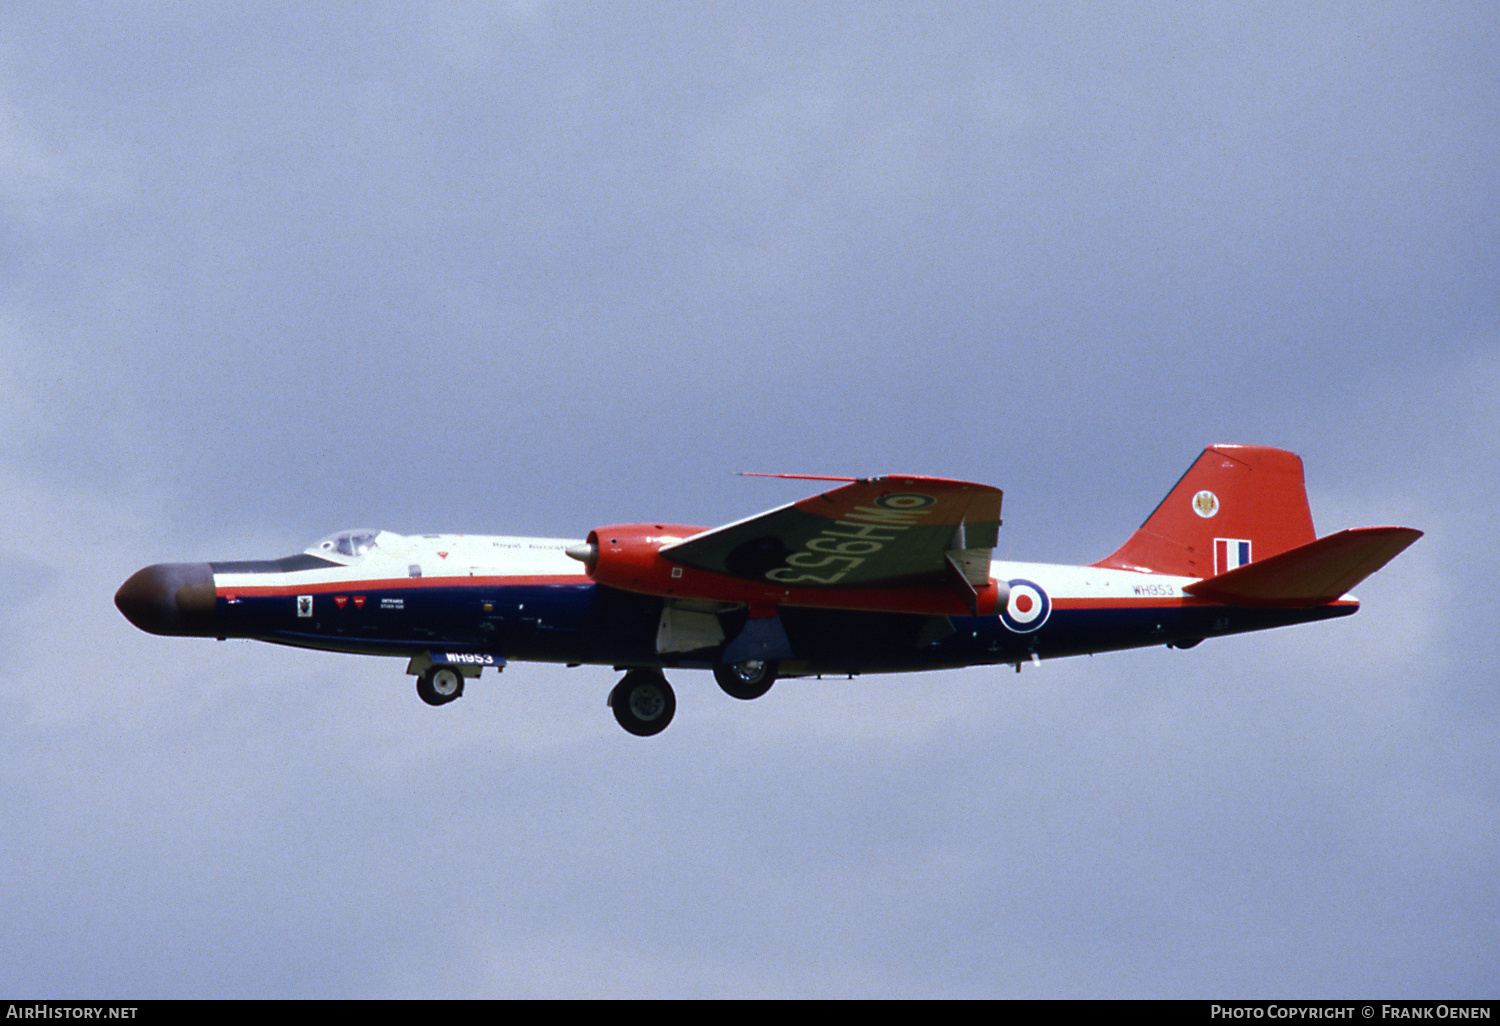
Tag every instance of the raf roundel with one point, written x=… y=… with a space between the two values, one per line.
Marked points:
x=906 y=501
x=1028 y=607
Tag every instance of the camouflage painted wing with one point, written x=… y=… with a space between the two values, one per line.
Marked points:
x=878 y=533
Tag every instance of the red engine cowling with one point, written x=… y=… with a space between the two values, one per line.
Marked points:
x=627 y=556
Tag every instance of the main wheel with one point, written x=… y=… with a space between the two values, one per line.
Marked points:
x=746 y=680
x=440 y=685
x=643 y=702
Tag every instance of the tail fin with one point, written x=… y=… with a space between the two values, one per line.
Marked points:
x=1236 y=504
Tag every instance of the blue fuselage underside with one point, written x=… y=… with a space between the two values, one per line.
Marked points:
x=591 y=623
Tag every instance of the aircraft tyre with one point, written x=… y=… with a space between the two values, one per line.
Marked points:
x=643 y=702
x=439 y=685
x=746 y=680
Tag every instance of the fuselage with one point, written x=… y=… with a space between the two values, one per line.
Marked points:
x=498 y=599
x=877 y=575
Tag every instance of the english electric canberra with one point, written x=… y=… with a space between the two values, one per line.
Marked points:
x=878 y=575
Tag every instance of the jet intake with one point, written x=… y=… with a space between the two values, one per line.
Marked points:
x=627 y=556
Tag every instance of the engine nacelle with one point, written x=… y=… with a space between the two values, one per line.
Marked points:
x=627 y=556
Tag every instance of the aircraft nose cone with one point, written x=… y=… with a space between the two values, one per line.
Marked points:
x=170 y=598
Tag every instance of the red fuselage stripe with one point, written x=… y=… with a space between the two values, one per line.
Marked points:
x=394 y=584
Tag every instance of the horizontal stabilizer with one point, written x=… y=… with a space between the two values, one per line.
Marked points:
x=1311 y=574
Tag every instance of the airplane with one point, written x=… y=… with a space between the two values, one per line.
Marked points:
x=877 y=575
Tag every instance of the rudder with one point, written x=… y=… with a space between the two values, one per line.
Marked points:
x=1236 y=504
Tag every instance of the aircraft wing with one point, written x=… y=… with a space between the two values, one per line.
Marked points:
x=873 y=533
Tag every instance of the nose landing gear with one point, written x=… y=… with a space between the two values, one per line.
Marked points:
x=439 y=685
x=441 y=676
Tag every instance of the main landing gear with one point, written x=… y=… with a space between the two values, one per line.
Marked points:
x=746 y=680
x=643 y=702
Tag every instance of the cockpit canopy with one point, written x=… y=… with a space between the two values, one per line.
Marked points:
x=349 y=545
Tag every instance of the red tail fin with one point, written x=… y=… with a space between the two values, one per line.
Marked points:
x=1236 y=504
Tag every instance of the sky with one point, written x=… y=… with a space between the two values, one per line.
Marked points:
x=269 y=271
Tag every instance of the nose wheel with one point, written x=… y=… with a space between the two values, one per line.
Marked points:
x=643 y=702
x=439 y=685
